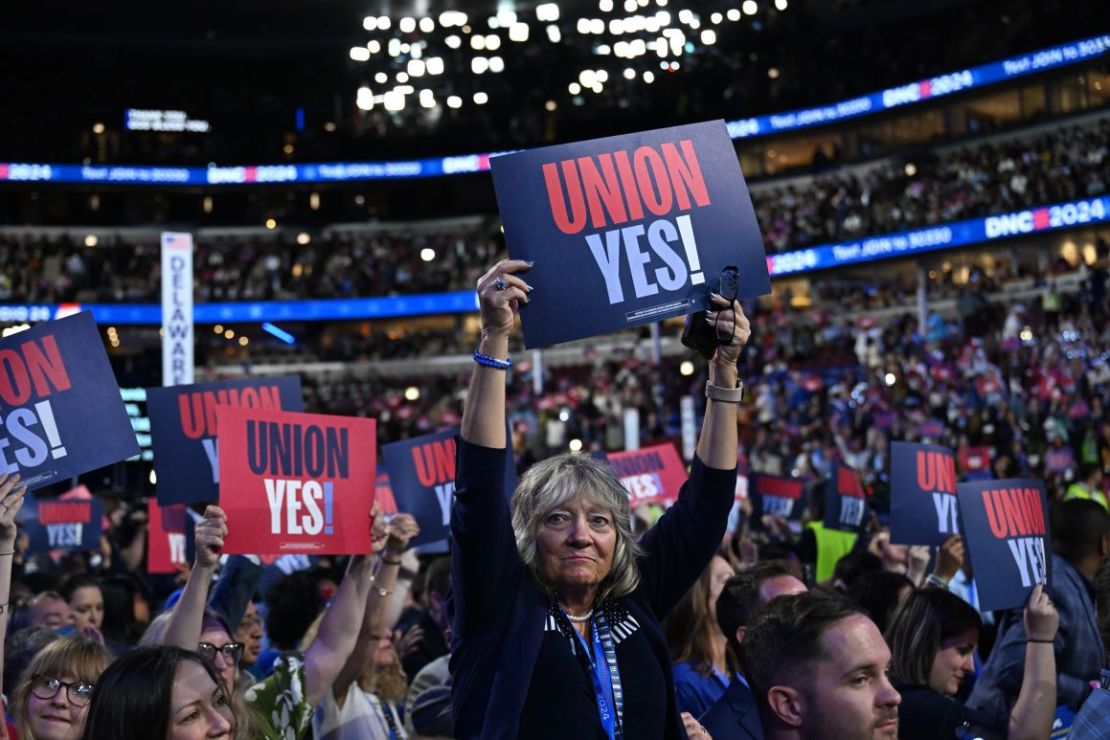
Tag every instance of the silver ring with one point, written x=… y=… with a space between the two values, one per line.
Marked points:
x=499 y=283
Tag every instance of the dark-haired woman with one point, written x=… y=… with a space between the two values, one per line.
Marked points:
x=932 y=641
x=163 y=692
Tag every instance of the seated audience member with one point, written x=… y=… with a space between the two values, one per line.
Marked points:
x=933 y=639
x=743 y=597
x=1081 y=544
x=817 y=666
x=162 y=692
x=52 y=698
x=702 y=663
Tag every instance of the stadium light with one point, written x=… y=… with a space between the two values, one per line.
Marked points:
x=547 y=12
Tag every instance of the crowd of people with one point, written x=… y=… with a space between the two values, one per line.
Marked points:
x=567 y=614
x=1069 y=163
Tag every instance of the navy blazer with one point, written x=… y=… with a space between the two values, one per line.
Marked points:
x=1079 y=650
x=498 y=610
x=735 y=716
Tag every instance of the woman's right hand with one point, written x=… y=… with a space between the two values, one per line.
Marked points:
x=500 y=293
x=1041 y=617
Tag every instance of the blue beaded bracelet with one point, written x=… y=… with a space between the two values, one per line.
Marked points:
x=496 y=364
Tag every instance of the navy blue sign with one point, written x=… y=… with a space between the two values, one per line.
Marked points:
x=1006 y=529
x=422 y=474
x=772 y=495
x=60 y=406
x=55 y=524
x=627 y=230
x=183 y=430
x=923 y=505
x=845 y=501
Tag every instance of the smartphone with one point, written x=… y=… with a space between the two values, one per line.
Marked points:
x=698 y=334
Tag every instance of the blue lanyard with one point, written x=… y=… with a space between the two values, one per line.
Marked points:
x=606 y=678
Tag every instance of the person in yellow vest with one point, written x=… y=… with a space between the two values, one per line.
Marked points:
x=822 y=547
x=1089 y=486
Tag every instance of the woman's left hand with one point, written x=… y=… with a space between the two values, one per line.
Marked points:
x=729 y=320
x=694 y=729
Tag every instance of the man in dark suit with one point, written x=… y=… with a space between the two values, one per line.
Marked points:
x=1081 y=544
x=735 y=715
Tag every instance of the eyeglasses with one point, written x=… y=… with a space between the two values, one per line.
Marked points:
x=47 y=687
x=232 y=651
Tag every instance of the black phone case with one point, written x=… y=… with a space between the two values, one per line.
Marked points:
x=697 y=334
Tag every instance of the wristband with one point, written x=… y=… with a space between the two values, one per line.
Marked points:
x=389 y=561
x=496 y=364
x=936 y=581
x=1030 y=639
x=725 y=395
x=9 y=552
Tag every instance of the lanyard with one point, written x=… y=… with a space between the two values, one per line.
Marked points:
x=606 y=677
x=391 y=723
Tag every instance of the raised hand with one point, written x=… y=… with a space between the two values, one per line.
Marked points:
x=11 y=501
x=402 y=528
x=500 y=293
x=729 y=321
x=950 y=558
x=379 y=530
x=210 y=534
x=1041 y=617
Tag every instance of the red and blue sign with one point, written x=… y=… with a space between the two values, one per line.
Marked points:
x=60 y=406
x=651 y=475
x=1006 y=529
x=183 y=430
x=296 y=483
x=773 y=495
x=169 y=544
x=627 y=230
x=71 y=522
x=924 y=509
x=845 y=501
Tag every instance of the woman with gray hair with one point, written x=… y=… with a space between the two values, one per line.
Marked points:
x=556 y=607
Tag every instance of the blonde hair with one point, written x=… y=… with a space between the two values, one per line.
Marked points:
x=388 y=683
x=74 y=656
x=553 y=482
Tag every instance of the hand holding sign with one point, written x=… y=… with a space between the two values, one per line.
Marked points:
x=1041 y=618
x=402 y=528
x=729 y=320
x=210 y=534
x=950 y=558
x=500 y=293
x=11 y=501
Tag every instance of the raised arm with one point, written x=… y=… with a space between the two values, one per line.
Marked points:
x=1035 y=707
x=500 y=293
x=11 y=501
x=484 y=551
x=187 y=618
x=402 y=529
x=717 y=445
x=681 y=544
x=339 y=629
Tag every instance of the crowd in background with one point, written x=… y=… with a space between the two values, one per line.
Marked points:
x=1068 y=163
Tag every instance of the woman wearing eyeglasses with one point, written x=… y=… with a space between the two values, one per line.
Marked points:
x=52 y=698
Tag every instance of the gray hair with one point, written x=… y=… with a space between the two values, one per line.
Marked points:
x=559 y=479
